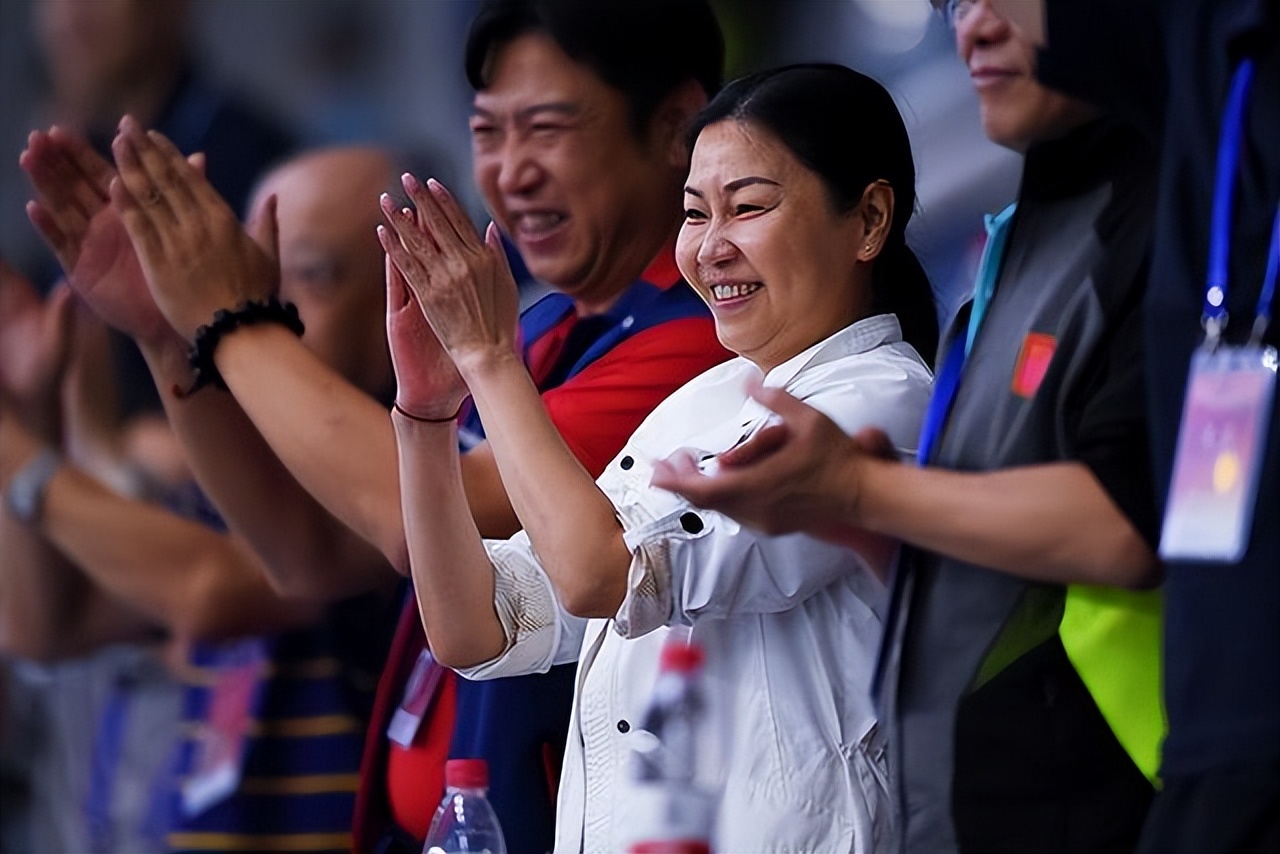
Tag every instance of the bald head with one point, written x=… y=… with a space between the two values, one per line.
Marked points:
x=330 y=258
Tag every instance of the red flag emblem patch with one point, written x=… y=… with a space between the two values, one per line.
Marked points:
x=1033 y=362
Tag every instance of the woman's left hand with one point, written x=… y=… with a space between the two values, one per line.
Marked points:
x=462 y=282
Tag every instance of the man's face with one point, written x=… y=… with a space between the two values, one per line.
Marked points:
x=1017 y=111
x=586 y=203
x=331 y=263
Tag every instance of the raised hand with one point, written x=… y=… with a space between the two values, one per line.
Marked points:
x=462 y=282
x=428 y=386
x=72 y=213
x=35 y=342
x=195 y=254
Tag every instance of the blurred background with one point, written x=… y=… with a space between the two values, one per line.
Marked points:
x=391 y=71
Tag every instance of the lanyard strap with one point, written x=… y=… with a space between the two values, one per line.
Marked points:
x=1229 y=144
x=1268 y=285
x=951 y=369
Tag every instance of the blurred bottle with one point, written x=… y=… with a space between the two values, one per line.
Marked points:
x=673 y=813
x=465 y=822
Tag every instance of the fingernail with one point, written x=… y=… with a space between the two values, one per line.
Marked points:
x=410 y=183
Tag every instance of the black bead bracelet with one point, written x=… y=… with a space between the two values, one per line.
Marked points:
x=247 y=313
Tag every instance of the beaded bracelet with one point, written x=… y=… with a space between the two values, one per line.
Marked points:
x=247 y=313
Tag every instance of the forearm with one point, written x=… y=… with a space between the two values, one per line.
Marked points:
x=1051 y=523
x=198 y=583
x=41 y=596
x=573 y=526
x=335 y=439
x=452 y=575
x=305 y=550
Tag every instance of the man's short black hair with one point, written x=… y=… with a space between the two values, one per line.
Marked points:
x=643 y=48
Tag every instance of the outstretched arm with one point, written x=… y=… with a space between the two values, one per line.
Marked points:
x=195 y=582
x=335 y=439
x=304 y=547
x=806 y=475
x=48 y=610
x=90 y=566
x=452 y=574
x=466 y=291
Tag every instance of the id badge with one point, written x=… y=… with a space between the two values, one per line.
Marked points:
x=423 y=683
x=219 y=754
x=1221 y=440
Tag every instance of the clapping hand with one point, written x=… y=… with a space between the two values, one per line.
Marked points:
x=428 y=386
x=462 y=282
x=73 y=215
x=799 y=473
x=35 y=343
x=195 y=254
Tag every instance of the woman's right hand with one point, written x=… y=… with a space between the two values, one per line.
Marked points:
x=428 y=385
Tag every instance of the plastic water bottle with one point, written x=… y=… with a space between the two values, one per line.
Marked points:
x=672 y=812
x=465 y=822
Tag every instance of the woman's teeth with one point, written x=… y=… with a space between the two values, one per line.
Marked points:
x=728 y=292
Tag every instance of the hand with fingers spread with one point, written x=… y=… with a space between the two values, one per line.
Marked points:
x=73 y=214
x=35 y=342
x=799 y=474
x=462 y=282
x=196 y=255
x=428 y=386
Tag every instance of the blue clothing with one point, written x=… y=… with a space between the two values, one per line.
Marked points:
x=302 y=754
x=307 y=715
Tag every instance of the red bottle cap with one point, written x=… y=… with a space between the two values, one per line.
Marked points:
x=466 y=774
x=670 y=846
x=681 y=657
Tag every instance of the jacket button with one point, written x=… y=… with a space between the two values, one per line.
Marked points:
x=626 y=463
x=623 y=726
x=691 y=522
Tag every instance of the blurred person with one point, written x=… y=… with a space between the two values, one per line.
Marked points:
x=100 y=60
x=280 y=689
x=1177 y=71
x=794 y=235
x=1036 y=493
x=578 y=149
x=85 y=678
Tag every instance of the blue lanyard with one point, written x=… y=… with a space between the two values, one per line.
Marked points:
x=1215 y=293
x=951 y=369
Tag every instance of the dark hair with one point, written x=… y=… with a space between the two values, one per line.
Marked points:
x=643 y=49
x=844 y=127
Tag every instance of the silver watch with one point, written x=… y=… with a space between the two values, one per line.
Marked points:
x=25 y=496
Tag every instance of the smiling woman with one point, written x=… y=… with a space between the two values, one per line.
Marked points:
x=774 y=155
x=793 y=233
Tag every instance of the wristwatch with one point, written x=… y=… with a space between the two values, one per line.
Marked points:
x=25 y=496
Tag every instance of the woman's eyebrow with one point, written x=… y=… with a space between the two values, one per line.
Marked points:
x=737 y=184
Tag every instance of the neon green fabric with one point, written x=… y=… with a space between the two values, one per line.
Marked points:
x=1113 y=639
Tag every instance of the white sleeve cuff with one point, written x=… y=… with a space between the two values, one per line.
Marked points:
x=654 y=579
x=528 y=609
